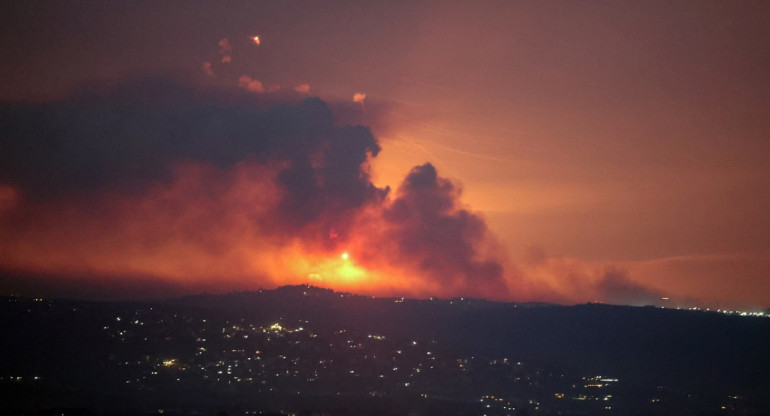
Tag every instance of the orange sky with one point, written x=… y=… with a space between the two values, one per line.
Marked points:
x=595 y=139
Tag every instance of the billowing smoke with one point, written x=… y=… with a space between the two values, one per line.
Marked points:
x=440 y=238
x=154 y=185
x=215 y=190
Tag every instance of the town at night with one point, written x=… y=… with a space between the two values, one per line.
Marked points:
x=298 y=350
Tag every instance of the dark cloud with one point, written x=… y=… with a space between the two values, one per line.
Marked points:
x=446 y=241
x=126 y=136
x=212 y=174
x=190 y=181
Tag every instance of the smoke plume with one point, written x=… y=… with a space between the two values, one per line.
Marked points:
x=155 y=180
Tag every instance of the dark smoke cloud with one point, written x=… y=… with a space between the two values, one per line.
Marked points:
x=191 y=183
x=228 y=189
x=443 y=239
x=133 y=134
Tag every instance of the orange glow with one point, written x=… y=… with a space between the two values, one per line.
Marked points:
x=252 y=85
x=206 y=66
x=302 y=88
x=256 y=40
x=209 y=230
x=197 y=237
x=341 y=272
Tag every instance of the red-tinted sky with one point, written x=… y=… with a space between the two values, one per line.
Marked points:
x=617 y=151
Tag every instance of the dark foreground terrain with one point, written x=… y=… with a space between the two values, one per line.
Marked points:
x=308 y=351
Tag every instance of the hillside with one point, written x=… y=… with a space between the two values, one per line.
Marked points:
x=300 y=348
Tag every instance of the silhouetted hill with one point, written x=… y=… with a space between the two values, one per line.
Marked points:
x=207 y=352
x=668 y=345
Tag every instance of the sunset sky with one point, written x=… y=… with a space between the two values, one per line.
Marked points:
x=534 y=151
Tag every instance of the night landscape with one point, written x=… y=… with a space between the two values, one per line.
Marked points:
x=385 y=208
